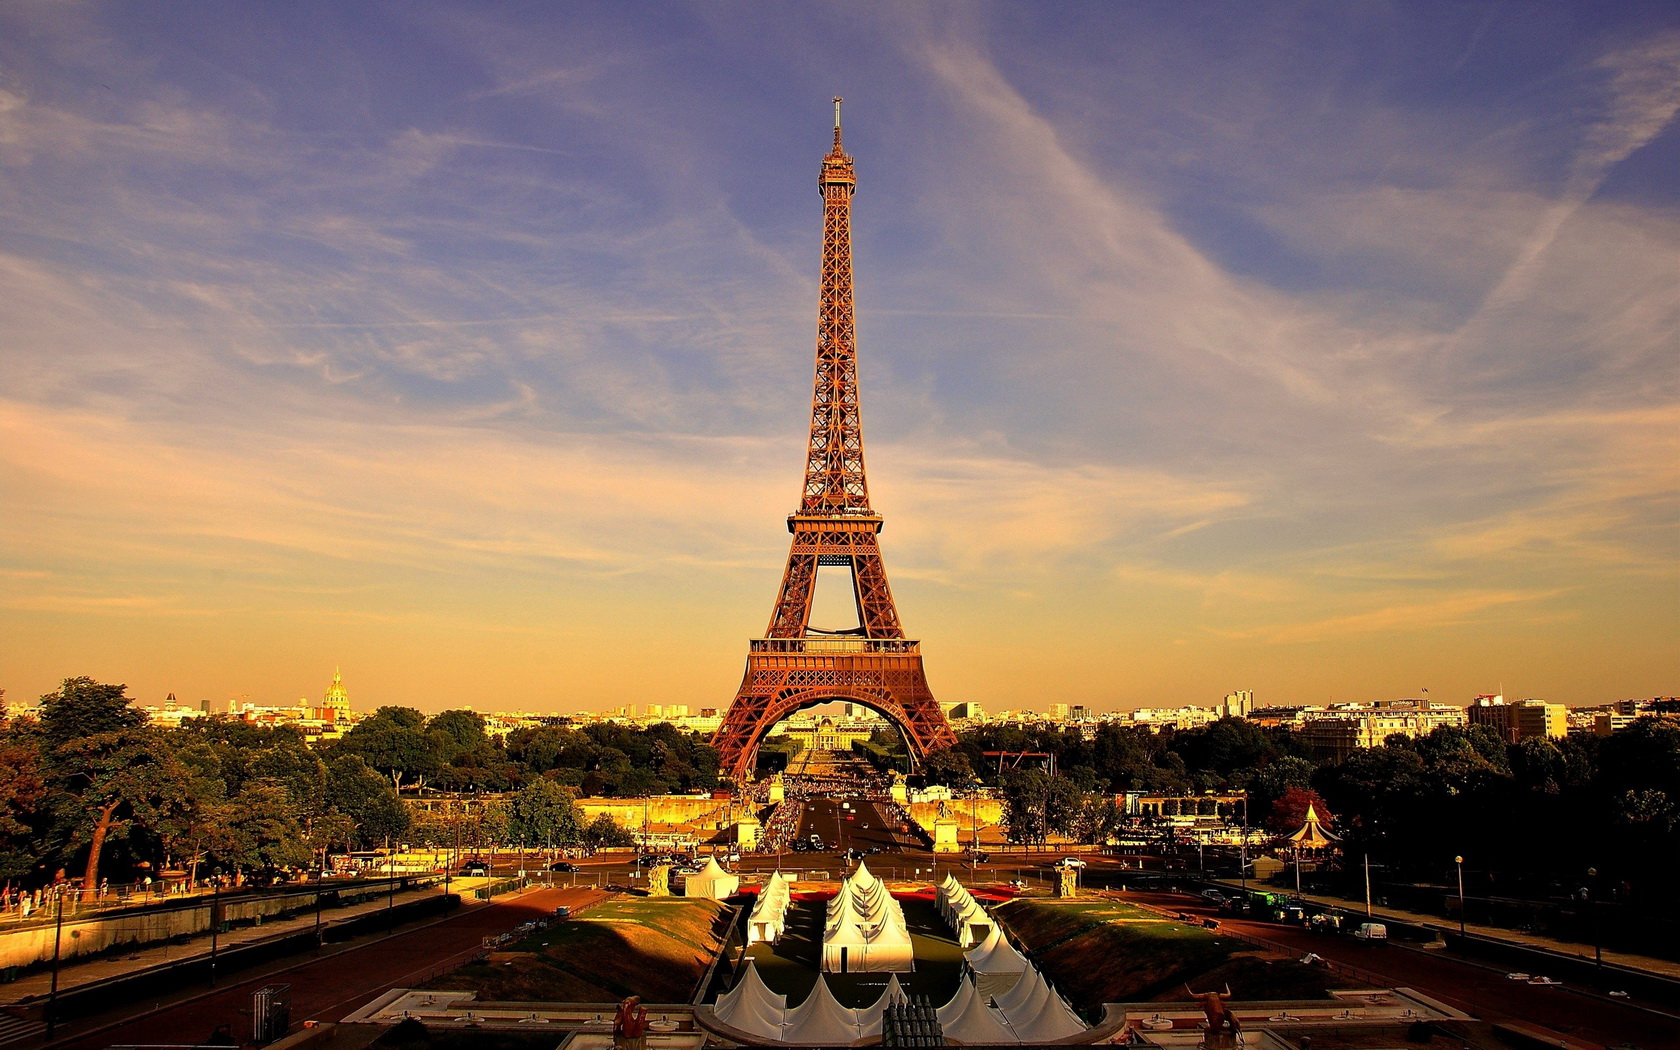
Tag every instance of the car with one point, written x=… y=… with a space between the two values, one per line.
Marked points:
x=1072 y=862
x=1214 y=897
x=1517 y=976
x=1543 y=980
x=475 y=867
x=563 y=865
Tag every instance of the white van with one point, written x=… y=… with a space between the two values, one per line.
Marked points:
x=1371 y=931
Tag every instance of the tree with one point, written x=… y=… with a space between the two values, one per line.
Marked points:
x=605 y=831
x=1026 y=796
x=366 y=798
x=394 y=741
x=541 y=813
x=101 y=781
x=459 y=731
x=947 y=766
x=23 y=790
x=82 y=708
x=1289 y=812
x=261 y=829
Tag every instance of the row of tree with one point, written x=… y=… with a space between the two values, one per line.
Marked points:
x=1535 y=815
x=89 y=790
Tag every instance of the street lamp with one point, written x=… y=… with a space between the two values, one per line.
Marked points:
x=52 y=996
x=215 y=919
x=1598 y=941
x=1460 y=862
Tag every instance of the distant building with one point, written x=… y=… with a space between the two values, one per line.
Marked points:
x=1056 y=712
x=1080 y=713
x=1239 y=703
x=173 y=713
x=1522 y=720
x=966 y=709
x=335 y=705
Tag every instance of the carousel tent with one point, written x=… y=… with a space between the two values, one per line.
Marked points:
x=1044 y=1016
x=712 y=881
x=820 y=1020
x=1312 y=834
x=751 y=1006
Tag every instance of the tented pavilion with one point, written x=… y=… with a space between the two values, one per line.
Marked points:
x=1312 y=838
x=995 y=963
x=712 y=882
x=769 y=912
x=865 y=929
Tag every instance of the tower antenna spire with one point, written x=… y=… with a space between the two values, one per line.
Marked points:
x=837 y=101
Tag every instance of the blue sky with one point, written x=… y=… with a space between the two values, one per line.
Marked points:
x=1321 y=349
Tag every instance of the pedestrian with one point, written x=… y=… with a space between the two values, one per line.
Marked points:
x=104 y=888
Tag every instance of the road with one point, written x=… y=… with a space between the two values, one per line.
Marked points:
x=1470 y=987
x=850 y=823
x=332 y=986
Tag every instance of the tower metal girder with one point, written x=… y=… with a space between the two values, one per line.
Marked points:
x=793 y=666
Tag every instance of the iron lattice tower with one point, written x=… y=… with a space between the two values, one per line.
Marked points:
x=796 y=666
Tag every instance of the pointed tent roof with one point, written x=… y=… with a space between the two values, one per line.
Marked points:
x=976 y=1023
x=959 y=1002
x=870 y=1017
x=863 y=878
x=1022 y=993
x=1312 y=834
x=712 y=869
x=893 y=992
x=751 y=1006
x=1043 y=1016
x=995 y=954
x=820 y=1020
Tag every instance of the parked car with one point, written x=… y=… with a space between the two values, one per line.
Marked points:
x=1214 y=897
x=475 y=867
x=1072 y=862
x=1371 y=931
x=562 y=865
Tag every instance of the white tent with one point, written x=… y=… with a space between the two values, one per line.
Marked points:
x=768 y=917
x=966 y=1019
x=820 y=1020
x=970 y=921
x=712 y=881
x=869 y=1017
x=995 y=955
x=845 y=947
x=864 y=929
x=1025 y=987
x=751 y=1006
x=1044 y=1015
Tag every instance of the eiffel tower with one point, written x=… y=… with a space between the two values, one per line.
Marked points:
x=796 y=666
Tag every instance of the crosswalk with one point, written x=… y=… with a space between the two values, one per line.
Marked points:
x=14 y=1029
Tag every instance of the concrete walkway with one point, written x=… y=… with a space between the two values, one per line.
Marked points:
x=1379 y=913
x=77 y=973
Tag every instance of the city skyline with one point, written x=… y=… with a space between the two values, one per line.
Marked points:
x=1327 y=353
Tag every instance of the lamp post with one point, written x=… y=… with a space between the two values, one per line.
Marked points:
x=1460 y=862
x=1598 y=941
x=52 y=995
x=215 y=920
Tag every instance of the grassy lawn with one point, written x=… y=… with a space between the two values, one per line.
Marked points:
x=791 y=965
x=1098 y=951
x=657 y=948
